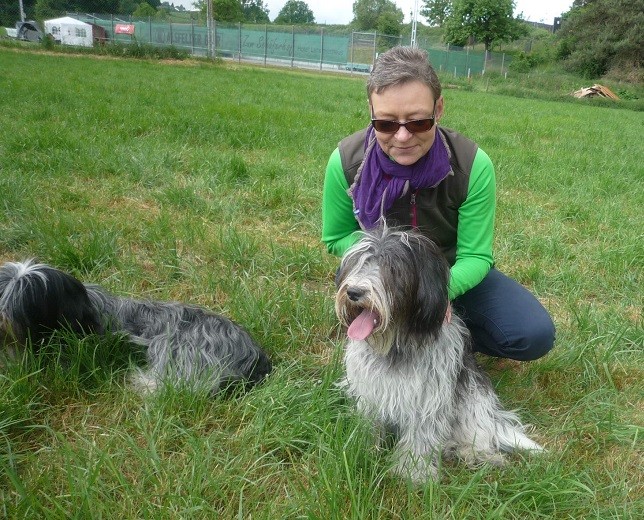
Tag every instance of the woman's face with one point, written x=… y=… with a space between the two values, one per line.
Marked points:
x=413 y=100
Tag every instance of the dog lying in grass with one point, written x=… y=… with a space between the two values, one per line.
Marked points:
x=182 y=343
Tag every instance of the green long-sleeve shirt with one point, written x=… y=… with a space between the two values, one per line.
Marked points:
x=475 y=232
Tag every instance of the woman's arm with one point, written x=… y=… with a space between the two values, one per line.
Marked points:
x=475 y=232
x=340 y=229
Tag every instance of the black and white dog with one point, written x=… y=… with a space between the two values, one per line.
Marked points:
x=182 y=342
x=409 y=363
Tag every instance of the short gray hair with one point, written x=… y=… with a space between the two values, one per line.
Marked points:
x=401 y=65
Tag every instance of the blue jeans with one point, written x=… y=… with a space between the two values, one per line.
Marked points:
x=505 y=319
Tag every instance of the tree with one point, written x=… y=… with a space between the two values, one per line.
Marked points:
x=128 y=6
x=10 y=11
x=295 y=12
x=50 y=8
x=223 y=10
x=144 y=10
x=367 y=13
x=486 y=21
x=255 y=11
x=390 y=23
x=598 y=35
x=436 y=11
x=45 y=9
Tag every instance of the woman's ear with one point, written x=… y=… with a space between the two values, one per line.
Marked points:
x=438 y=109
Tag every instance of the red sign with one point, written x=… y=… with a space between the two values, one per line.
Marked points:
x=124 y=28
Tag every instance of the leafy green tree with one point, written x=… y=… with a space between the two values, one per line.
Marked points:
x=367 y=13
x=128 y=6
x=295 y=12
x=144 y=10
x=390 y=23
x=223 y=10
x=10 y=11
x=436 y=11
x=255 y=11
x=46 y=9
x=599 y=35
x=486 y=21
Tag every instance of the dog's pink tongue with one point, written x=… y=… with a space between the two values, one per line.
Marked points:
x=362 y=326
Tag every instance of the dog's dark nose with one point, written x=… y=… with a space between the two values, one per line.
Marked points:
x=355 y=294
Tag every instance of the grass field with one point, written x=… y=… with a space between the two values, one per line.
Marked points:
x=202 y=183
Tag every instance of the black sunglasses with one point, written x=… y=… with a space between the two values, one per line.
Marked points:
x=414 y=126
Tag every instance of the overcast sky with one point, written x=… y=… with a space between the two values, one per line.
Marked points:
x=341 y=11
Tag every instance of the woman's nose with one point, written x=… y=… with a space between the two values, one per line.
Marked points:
x=403 y=134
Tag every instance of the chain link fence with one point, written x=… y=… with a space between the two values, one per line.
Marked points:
x=295 y=46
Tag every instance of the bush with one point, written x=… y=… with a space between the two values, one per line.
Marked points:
x=143 y=51
x=523 y=62
x=48 y=42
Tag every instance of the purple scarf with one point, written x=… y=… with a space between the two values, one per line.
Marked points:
x=380 y=180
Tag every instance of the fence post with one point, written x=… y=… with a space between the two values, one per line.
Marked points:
x=192 y=36
x=321 y=46
x=502 y=62
x=240 y=44
x=292 y=46
x=351 y=53
x=375 y=39
x=112 y=24
x=265 y=43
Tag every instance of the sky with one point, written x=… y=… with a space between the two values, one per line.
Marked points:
x=341 y=11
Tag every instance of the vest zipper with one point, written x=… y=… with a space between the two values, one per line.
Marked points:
x=414 y=215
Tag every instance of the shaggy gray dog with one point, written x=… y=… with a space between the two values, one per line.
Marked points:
x=182 y=342
x=409 y=363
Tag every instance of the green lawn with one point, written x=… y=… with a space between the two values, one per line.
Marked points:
x=202 y=183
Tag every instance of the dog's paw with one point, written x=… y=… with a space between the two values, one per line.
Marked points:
x=477 y=458
x=418 y=469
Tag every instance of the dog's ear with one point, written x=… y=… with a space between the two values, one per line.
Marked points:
x=68 y=304
x=432 y=297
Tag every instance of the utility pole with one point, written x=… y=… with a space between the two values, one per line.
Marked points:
x=209 y=24
x=414 y=17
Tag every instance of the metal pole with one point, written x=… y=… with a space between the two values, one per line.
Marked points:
x=413 y=24
x=209 y=27
x=375 y=38
x=321 y=46
x=351 y=54
x=22 y=12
